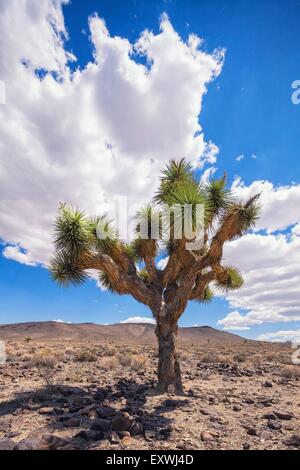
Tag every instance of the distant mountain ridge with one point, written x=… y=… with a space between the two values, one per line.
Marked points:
x=132 y=333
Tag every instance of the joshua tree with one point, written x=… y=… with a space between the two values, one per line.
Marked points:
x=188 y=275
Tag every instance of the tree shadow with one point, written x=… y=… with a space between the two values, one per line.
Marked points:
x=68 y=401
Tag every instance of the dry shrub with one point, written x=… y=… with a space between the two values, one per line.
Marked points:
x=271 y=356
x=139 y=362
x=227 y=358
x=74 y=375
x=110 y=351
x=108 y=363
x=211 y=357
x=26 y=358
x=133 y=361
x=46 y=358
x=125 y=359
x=291 y=372
x=240 y=357
x=84 y=355
x=46 y=361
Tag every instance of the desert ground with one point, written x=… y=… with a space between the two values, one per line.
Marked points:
x=91 y=387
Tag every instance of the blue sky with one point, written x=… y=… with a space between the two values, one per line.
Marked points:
x=246 y=112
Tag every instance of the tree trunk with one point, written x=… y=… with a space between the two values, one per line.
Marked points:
x=169 y=374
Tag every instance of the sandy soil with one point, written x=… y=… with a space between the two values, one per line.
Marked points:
x=61 y=395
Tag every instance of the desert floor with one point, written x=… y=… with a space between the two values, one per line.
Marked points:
x=61 y=395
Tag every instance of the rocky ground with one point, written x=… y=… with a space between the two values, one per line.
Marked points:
x=95 y=396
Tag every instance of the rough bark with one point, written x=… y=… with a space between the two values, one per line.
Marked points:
x=169 y=374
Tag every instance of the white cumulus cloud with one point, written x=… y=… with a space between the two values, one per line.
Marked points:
x=85 y=136
x=269 y=261
x=283 y=335
x=139 y=320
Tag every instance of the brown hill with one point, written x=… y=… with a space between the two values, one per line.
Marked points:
x=124 y=333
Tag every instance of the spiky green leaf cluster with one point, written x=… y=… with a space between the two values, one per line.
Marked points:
x=189 y=194
x=232 y=280
x=63 y=270
x=218 y=197
x=175 y=173
x=206 y=297
x=144 y=275
x=105 y=282
x=103 y=236
x=248 y=215
x=71 y=233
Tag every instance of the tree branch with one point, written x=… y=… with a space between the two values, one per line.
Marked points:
x=123 y=282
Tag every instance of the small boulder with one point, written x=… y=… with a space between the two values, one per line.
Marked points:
x=90 y=435
x=149 y=434
x=284 y=415
x=28 y=443
x=136 y=428
x=123 y=434
x=269 y=416
x=274 y=425
x=207 y=436
x=251 y=431
x=293 y=441
x=114 y=438
x=52 y=442
x=100 y=425
x=72 y=422
x=99 y=395
x=236 y=408
x=82 y=401
x=121 y=423
x=6 y=444
x=105 y=411
x=267 y=384
x=46 y=410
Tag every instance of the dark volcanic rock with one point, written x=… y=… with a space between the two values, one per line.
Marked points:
x=136 y=428
x=105 y=411
x=100 y=425
x=72 y=422
x=149 y=434
x=121 y=423
x=52 y=442
x=293 y=441
x=90 y=435
x=29 y=443
x=275 y=425
x=269 y=416
x=236 y=408
x=114 y=438
x=252 y=431
x=284 y=415
x=267 y=384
